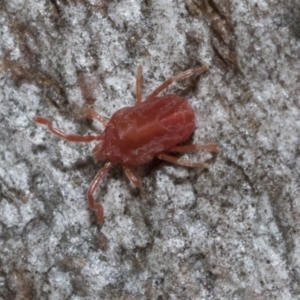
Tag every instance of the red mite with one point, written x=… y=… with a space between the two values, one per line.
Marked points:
x=135 y=135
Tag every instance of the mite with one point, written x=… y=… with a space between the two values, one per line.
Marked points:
x=135 y=135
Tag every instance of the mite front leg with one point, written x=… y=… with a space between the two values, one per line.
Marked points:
x=91 y=114
x=97 y=207
x=177 y=77
x=68 y=137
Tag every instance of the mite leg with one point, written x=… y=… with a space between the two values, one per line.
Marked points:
x=182 y=162
x=97 y=207
x=133 y=178
x=193 y=147
x=91 y=114
x=68 y=137
x=139 y=80
x=177 y=77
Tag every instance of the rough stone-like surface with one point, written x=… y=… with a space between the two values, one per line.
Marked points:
x=228 y=233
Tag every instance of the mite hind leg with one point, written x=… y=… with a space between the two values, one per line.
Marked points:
x=186 y=148
x=177 y=77
x=182 y=162
x=194 y=147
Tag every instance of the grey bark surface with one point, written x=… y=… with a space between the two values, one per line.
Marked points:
x=228 y=233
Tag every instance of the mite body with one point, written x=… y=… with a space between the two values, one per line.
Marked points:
x=135 y=135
